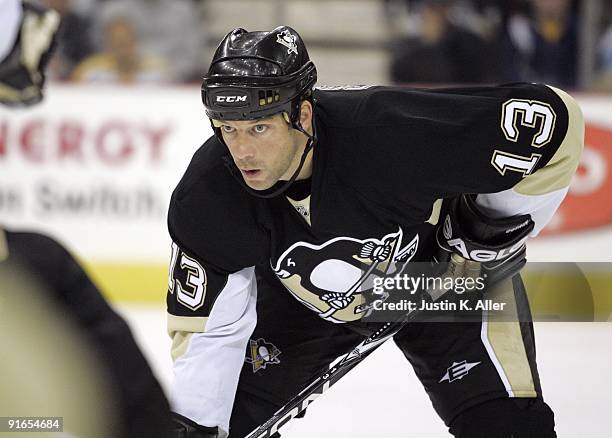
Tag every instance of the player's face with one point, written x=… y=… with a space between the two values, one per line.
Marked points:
x=265 y=150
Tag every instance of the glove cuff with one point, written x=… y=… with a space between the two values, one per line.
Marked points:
x=183 y=427
x=470 y=233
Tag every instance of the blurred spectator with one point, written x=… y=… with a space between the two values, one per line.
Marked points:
x=605 y=49
x=171 y=30
x=603 y=80
x=75 y=42
x=123 y=60
x=441 y=52
x=541 y=45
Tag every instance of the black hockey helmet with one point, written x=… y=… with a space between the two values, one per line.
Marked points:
x=258 y=74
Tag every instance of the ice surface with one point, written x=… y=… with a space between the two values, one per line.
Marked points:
x=383 y=398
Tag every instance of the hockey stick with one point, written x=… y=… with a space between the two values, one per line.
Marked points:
x=337 y=369
x=324 y=381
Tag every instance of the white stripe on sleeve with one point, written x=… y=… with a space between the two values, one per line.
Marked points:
x=510 y=203
x=206 y=375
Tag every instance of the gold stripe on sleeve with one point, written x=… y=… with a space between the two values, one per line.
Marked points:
x=180 y=342
x=196 y=324
x=180 y=329
x=559 y=170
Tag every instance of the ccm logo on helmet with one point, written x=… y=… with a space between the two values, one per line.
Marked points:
x=231 y=99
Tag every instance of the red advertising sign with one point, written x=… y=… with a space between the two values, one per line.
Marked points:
x=589 y=201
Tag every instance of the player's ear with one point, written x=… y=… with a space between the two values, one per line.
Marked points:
x=306 y=115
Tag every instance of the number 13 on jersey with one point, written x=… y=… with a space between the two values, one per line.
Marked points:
x=188 y=280
x=530 y=113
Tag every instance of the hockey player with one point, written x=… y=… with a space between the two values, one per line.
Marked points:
x=302 y=195
x=131 y=402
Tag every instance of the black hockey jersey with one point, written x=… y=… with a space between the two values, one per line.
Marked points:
x=384 y=160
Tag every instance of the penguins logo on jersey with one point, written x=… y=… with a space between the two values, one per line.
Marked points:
x=331 y=278
x=262 y=354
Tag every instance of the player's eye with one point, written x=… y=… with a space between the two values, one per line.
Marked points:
x=260 y=129
x=227 y=129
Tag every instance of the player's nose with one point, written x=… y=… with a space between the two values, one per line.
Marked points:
x=242 y=148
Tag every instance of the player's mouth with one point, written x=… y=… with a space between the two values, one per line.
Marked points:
x=251 y=173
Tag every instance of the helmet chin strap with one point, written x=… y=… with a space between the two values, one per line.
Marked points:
x=266 y=194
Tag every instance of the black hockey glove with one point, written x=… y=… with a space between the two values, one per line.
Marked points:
x=498 y=245
x=22 y=71
x=183 y=427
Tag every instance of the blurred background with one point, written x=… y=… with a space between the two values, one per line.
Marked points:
x=94 y=165
x=562 y=42
x=96 y=162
